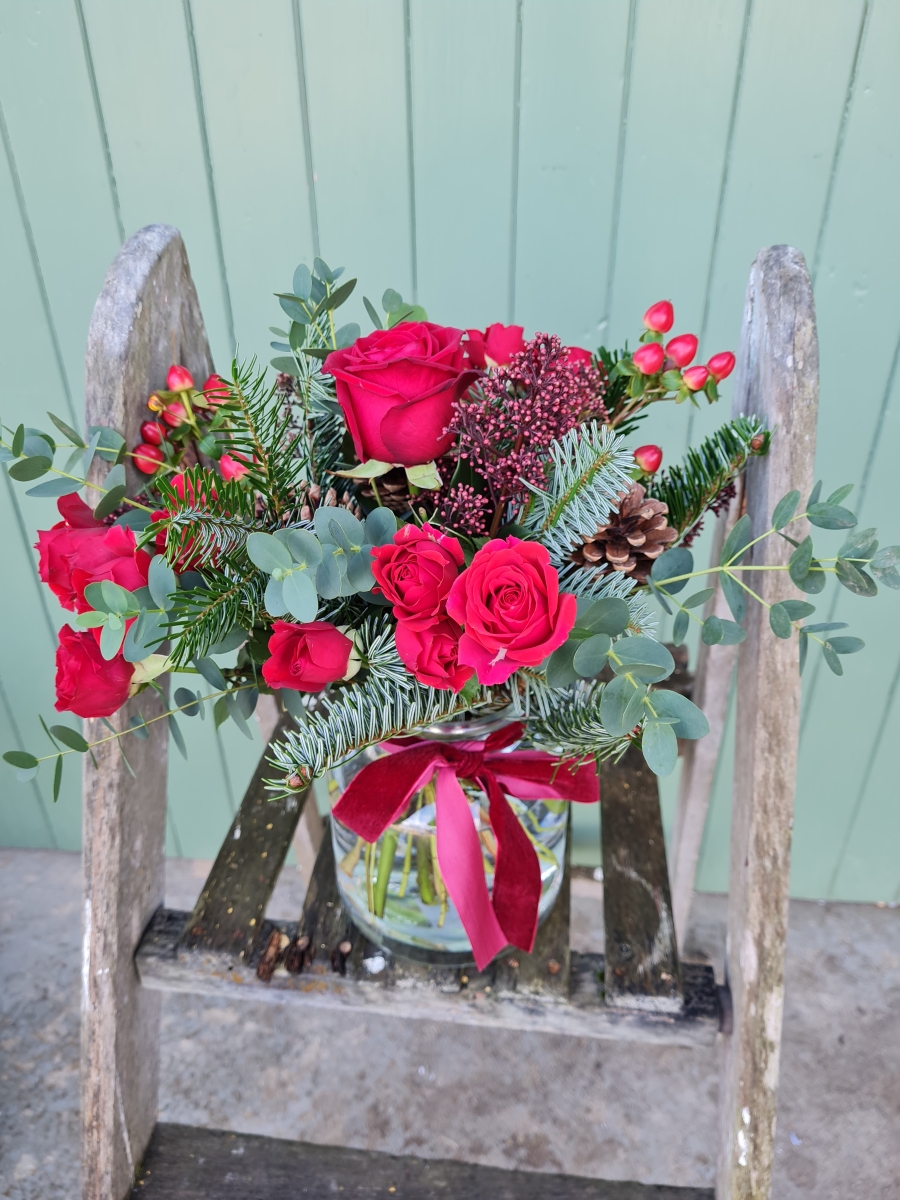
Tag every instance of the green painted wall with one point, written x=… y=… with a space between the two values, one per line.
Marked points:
x=560 y=162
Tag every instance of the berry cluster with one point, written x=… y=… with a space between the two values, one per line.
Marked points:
x=672 y=361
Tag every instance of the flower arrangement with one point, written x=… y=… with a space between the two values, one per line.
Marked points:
x=409 y=526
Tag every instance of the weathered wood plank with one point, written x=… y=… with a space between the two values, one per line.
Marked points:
x=146 y=316
x=642 y=967
x=712 y=684
x=777 y=378
x=228 y=916
x=205 y=1164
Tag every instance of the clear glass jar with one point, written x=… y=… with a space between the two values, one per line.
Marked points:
x=392 y=889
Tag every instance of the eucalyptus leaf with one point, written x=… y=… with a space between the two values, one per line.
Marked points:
x=373 y=314
x=54 y=487
x=220 y=711
x=36 y=445
x=846 y=645
x=337 y=537
x=698 y=598
x=302 y=282
x=672 y=563
x=118 y=599
x=690 y=722
x=861 y=544
x=299 y=593
x=287 y=366
x=825 y=626
x=815 y=494
x=30 y=468
x=732 y=633
x=617 y=706
x=211 y=673
x=268 y=553
x=111 y=501
x=561 y=669
x=346 y=335
x=830 y=516
x=799 y=562
x=70 y=737
x=321 y=268
x=854 y=579
x=18 y=441
x=232 y=640
x=135 y=519
x=831 y=658
x=188 y=702
x=57 y=777
x=359 y=570
x=643 y=658
x=139 y=728
x=20 y=759
x=177 y=736
x=590 y=656
x=660 y=596
x=144 y=636
x=328 y=576
x=111 y=639
x=840 y=494
x=815 y=581
x=609 y=615
x=659 y=746
x=91 y=449
x=161 y=582
x=336 y=299
x=305 y=548
x=735 y=596
x=294 y=309
x=276 y=605
x=293 y=703
x=391 y=300
x=327 y=515
x=296 y=337
x=680 y=627
x=234 y=711
x=884 y=567
x=785 y=509
x=736 y=542
x=381 y=525
x=712 y=631
x=780 y=621
x=804 y=650
x=798 y=609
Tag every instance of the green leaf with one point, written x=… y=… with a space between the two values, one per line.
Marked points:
x=20 y=759
x=373 y=315
x=409 y=312
x=346 y=335
x=841 y=494
x=671 y=380
x=561 y=667
x=67 y=431
x=144 y=636
x=381 y=525
x=372 y=468
x=861 y=544
x=328 y=575
x=785 y=509
x=855 y=580
x=830 y=516
x=825 y=626
x=698 y=598
x=736 y=542
x=187 y=701
x=670 y=564
x=712 y=631
x=38 y=444
x=680 y=627
x=299 y=594
x=161 y=582
x=814 y=494
x=275 y=603
x=590 y=656
x=660 y=596
x=177 y=736
x=134 y=518
x=815 y=581
x=138 y=727
x=391 y=300
x=337 y=297
x=57 y=778
x=302 y=283
x=326 y=516
x=70 y=737
x=735 y=596
x=294 y=308
x=210 y=673
x=804 y=648
x=268 y=553
x=799 y=562
x=54 y=487
x=780 y=621
x=293 y=703
x=30 y=468
x=18 y=441
x=234 y=711
x=643 y=658
x=830 y=656
x=111 y=639
x=689 y=720
x=288 y=366
x=425 y=476
x=798 y=609
x=732 y=634
x=220 y=711
x=297 y=336
x=620 y=706
x=609 y=615
x=659 y=747
x=233 y=640
x=846 y=645
x=321 y=268
x=884 y=567
x=118 y=599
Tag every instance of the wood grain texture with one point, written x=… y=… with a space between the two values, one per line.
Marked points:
x=712 y=686
x=778 y=379
x=205 y=1164
x=228 y=915
x=642 y=967
x=148 y=309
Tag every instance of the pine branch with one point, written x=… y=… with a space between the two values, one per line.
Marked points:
x=567 y=722
x=588 y=470
x=691 y=488
x=317 y=423
x=204 y=615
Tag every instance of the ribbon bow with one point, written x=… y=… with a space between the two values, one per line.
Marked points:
x=380 y=793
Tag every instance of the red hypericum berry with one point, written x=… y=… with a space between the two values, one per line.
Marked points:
x=721 y=365
x=682 y=349
x=175 y=414
x=147 y=458
x=152 y=432
x=649 y=358
x=648 y=458
x=179 y=379
x=232 y=466
x=695 y=378
x=660 y=316
x=215 y=389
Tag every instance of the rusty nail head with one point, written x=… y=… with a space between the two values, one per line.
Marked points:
x=514 y=963
x=303 y=943
x=553 y=967
x=345 y=948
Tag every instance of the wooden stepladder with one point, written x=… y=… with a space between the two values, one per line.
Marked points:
x=639 y=1001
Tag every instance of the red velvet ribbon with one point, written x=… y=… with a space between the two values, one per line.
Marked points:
x=381 y=792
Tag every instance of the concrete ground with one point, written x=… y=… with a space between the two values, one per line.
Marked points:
x=839 y=1111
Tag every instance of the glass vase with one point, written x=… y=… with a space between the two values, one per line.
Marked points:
x=393 y=890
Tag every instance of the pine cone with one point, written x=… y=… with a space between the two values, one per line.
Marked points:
x=634 y=536
x=393 y=491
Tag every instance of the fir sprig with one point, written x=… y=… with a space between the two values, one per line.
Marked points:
x=566 y=721
x=207 y=517
x=230 y=595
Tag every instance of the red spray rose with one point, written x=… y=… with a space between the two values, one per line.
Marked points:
x=306 y=657
x=682 y=349
x=432 y=654
x=649 y=358
x=510 y=604
x=660 y=316
x=494 y=346
x=415 y=573
x=179 y=379
x=721 y=365
x=397 y=388
x=86 y=684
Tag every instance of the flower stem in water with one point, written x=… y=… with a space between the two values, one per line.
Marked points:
x=351 y=858
x=385 y=864
x=407 y=862
x=370 y=896
x=438 y=881
x=423 y=870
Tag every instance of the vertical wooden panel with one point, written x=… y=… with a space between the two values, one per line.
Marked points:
x=248 y=72
x=572 y=56
x=358 y=131
x=463 y=62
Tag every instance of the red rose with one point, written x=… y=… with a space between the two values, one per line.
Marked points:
x=397 y=388
x=306 y=657
x=510 y=604
x=416 y=573
x=432 y=654
x=575 y=354
x=86 y=684
x=112 y=556
x=59 y=547
x=495 y=346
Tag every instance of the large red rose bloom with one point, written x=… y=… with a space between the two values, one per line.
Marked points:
x=432 y=654
x=87 y=684
x=415 y=573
